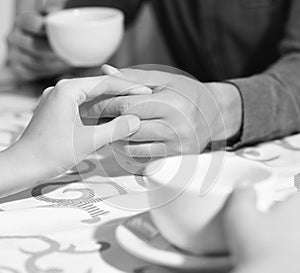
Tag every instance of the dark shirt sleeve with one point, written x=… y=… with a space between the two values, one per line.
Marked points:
x=271 y=100
x=129 y=7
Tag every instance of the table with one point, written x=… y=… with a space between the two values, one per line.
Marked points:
x=63 y=226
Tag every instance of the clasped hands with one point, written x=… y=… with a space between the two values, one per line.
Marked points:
x=154 y=113
x=180 y=116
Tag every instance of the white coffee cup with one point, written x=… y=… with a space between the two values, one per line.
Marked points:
x=85 y=37
x=188 y=193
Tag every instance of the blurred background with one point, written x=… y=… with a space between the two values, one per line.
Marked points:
x=143 y=36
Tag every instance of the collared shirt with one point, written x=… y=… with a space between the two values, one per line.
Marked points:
x=253 y=44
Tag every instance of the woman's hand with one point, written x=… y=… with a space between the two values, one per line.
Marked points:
x=262 y=242
x=56 y=138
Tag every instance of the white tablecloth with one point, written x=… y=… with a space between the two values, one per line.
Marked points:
x=65 y=226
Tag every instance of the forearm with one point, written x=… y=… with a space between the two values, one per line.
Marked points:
x=19 y=170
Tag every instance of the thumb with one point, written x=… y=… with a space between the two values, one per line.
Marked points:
x=118 y=128
x=32 y=23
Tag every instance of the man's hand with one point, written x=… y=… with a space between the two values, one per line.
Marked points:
x=30 y=55
x=181 y=116
x=262 y=242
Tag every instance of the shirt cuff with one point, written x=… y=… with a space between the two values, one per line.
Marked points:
x=257 y=109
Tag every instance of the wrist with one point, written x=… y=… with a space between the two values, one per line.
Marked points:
x=229 y=101
x=30 y=165
x=18 y=172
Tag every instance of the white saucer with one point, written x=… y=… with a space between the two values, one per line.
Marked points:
x=139 y=237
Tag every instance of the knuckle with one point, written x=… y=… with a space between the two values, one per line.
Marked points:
x=133 y=151
x=61 y=84
x=121 y=147
x=183 y=131
x=124 y=106
x=170 y=135
x=97 y=110
x=128 y=150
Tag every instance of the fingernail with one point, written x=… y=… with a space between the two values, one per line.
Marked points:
x=134 y=124
x=143 y=90
x=112 y=70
